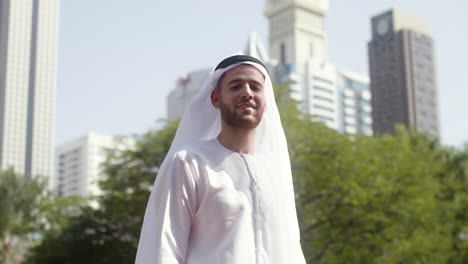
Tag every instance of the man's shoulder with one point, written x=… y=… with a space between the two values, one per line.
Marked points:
x=203 y=149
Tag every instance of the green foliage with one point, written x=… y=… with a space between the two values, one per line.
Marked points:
x=90 y=237
x=17 y=206
x=26 y=212
x=370 y=200
x=454 y=197
x=19 y=198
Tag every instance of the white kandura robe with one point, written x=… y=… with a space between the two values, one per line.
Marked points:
x=216 y=206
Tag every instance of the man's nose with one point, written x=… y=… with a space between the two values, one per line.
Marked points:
x=247 y=91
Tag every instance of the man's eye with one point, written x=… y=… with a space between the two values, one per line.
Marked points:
x=256 y=88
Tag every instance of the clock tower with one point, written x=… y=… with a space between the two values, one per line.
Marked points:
x=296 y=31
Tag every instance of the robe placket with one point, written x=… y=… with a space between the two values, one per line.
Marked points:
x=254 y=189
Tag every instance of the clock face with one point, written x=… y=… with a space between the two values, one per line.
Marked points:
x=383 y=26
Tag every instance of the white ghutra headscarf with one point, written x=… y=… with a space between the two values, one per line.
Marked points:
x=201 y=121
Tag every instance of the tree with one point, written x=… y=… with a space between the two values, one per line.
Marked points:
x=454 y=197
x=27 y=211
x=20 y=202
x=370 y=200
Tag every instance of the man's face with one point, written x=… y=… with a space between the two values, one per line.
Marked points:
x=241 y=97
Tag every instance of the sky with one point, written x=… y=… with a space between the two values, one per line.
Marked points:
x=118 y=61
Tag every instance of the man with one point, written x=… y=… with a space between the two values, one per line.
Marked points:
x=224 y=193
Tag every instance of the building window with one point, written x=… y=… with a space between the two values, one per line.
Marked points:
x=322 y=80
x=326 y=119
x=283 y=53
x=318 y=88
x=323 y=98
x=323 y=108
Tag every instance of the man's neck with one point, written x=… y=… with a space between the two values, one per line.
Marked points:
x=237 y=139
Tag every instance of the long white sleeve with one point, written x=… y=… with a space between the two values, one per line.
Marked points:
x=171 y=207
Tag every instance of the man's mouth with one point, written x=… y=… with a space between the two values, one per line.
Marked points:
x=246 y=106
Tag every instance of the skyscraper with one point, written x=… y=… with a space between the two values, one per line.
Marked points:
x=402 y=71
x=28 y=66
x=296 y=30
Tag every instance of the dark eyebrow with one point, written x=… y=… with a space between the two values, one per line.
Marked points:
x=242 y=80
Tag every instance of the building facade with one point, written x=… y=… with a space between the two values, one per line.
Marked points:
x=78 y=163
x=402 y=71
x=28 y=73
x=320 y=98
x=296 y=31
x=355 y=111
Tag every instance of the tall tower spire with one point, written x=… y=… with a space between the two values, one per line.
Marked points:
x=296 y=30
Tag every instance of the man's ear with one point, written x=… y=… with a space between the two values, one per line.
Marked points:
x=215 y=99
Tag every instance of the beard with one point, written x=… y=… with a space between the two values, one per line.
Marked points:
x=240 y=120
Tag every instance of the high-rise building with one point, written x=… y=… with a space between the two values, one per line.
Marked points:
x=355 y=111
x=28 y=66
x=296 y=31
x=402 y=71
x=78 y=163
